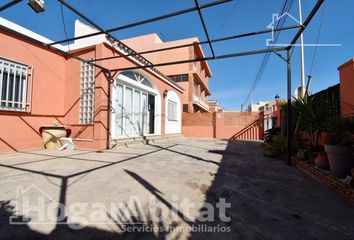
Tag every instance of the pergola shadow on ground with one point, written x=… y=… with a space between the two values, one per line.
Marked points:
x=268 y=199
x=63 y=228
x=110 y=73
x=271 y=201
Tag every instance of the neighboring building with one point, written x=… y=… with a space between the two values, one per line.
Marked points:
x=268 y=113
x=256 y=106
x=39 y=86
x=193 y=77
x=346 y=74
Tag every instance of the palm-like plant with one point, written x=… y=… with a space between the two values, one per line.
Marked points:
x=311 y=116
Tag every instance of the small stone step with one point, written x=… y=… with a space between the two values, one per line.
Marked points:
x=125 y=145
x=126 y=142
x=162 y=138
x=128 y=139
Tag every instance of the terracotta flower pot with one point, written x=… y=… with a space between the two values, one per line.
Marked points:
x=340 y=159
x=322 y=139
x=51 y=136
x=321 y=161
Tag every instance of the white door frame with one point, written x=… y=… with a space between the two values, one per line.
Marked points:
x=127 y=82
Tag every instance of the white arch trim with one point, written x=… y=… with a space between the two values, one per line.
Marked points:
x=126 y=81
x=130 y=82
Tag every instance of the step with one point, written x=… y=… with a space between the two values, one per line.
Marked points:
x=127 y=139
x=130 y=141
x=162 y=138
x=125 y=142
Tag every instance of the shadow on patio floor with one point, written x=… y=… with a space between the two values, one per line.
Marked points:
x=269 y=200
x=62 y=231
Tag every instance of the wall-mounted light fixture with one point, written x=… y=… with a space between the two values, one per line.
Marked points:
x=165 y=93
x=37 y=5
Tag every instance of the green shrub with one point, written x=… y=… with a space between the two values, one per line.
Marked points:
x=278 y=148
x=270 y=134
x=279 y=145
x=340 y=132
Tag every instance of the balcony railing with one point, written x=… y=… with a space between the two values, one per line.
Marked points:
x=202 y=103
x=198 y=69
x=201 y=75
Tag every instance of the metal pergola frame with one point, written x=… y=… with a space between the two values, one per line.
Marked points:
x=109 y=73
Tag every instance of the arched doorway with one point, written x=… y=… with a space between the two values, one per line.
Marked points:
x=136 y=106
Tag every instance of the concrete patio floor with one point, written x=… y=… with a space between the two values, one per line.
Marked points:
x=163 y=185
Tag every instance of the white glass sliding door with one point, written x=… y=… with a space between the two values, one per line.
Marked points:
x=131 y=115
x=144 y=110
x=128 y=107
x=137 y=113
x=118 y=107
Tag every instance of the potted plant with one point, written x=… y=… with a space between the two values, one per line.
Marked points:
x=322 y=161
x=51 y=135
x=339 y=146
x=310 y=118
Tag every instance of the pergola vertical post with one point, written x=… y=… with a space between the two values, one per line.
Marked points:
x=108 y=136
x=288 y=122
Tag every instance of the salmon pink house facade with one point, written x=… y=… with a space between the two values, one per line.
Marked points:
x=39 y=86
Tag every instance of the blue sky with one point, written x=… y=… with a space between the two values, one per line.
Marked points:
x=232 y=78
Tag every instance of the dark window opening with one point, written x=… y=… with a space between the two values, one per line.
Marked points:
x=179 y=78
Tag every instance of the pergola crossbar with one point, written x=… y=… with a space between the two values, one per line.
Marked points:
x=135 y=24
x=9 y=4
x=96 y=26
x=108 y=72
x=204 y=27
x=202 y=42
x=231 y=55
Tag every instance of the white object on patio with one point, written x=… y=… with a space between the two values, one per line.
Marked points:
x=67 y=142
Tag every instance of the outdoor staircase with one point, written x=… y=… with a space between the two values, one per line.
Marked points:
x=131 y=141
x=249 y=132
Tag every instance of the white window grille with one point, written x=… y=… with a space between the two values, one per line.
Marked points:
x=87 y=93
x=13 y=85
x=172 y=111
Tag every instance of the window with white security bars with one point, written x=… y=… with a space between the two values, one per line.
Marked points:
x=87 y=93
x=14 y=82
x=172 y=111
